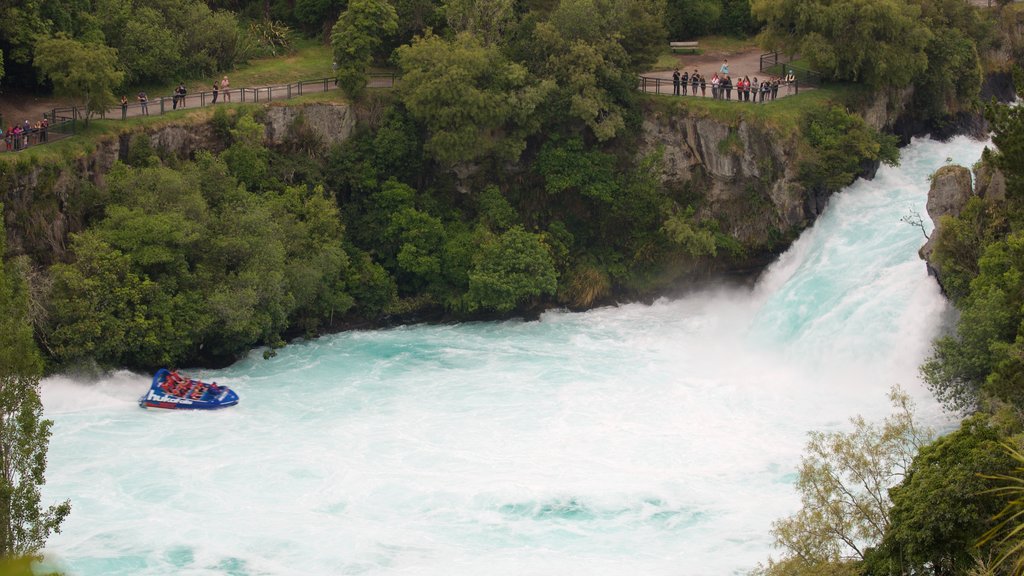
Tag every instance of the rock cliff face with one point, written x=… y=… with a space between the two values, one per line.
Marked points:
x=743 y=175
x=332 y=123
x=44 y=203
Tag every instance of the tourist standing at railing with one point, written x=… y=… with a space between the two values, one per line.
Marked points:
x=216 y=91
x=26 y=130
x=714 y=86
x=693 y=81
x=225 y=87
x=675 y=82
x=144 y=101
x=44 y=129
x=684 y=81
x=775 y=88
x=124 y=106
x=754 y=87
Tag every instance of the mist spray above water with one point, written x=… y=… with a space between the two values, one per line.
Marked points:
x=656 y=440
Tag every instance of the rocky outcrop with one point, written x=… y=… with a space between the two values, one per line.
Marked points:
x=744 y=174
x=950 y=190
x=990 y=183
x=331 y=123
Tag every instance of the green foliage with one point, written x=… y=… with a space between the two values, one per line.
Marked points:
x=1007 y=124
x=419 y=239
x=189 y=263
x=357 y=33
x=695 y=241
x=842 y=143
x=844 y=484
x=495 y=211
x=159 y=40
x=488 y=20
x=247 y=157
x=941 y=509
x=509 y=269
x=102 y=308
x=272 y=37
x=83 y=71
x=473 y=101
x=880 y=42
x=591 y=52
x=693 y=18
x=24 y=434
x=959 y=242
x=1006 y=534
x=991 y=314
x=569 y=166
x=317 y=268
x=312 y=14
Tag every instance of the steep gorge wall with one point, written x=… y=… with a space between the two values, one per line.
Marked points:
x=45 y=203
x=744 y=176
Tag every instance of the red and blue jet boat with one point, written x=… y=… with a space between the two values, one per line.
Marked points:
x=176 y=392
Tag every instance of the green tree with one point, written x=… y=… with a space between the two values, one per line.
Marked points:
x=473 y=100
x=358 y=32
x=880 y=42
x=592 y=51
x=958 y=372
x=24 y=434
x=247 y=157
x=316 y=265
x=488 y=20
x=569 y=167
x=941 y=508
x=1008 y=137
x=844 y=483
x=510 y=269
x=81 y=70
x=841 y=144
x=100 y=308
x=692 y=18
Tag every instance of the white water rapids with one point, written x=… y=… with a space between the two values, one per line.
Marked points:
x=634 y=440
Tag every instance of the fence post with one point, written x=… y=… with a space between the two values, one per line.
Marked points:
x=289 y=93
x=161 y=105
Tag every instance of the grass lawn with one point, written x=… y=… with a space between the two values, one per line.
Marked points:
x=785 y=115
x=727 y=44
x=310 y=60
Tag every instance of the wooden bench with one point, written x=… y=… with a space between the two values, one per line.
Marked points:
x=692 y=47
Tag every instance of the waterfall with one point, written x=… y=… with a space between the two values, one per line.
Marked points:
x=654 y=439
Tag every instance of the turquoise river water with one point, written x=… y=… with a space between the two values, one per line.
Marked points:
x=647 y=440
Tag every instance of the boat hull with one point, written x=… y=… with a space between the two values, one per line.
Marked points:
x=158 y=397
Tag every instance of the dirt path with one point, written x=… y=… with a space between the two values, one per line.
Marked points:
x=744 y=63
x=741 y=64
x=20 y=106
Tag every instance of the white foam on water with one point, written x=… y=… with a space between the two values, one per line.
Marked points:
x=656 y=440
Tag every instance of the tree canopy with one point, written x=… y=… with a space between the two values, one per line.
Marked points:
x=85 y=71
x=25 y=523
